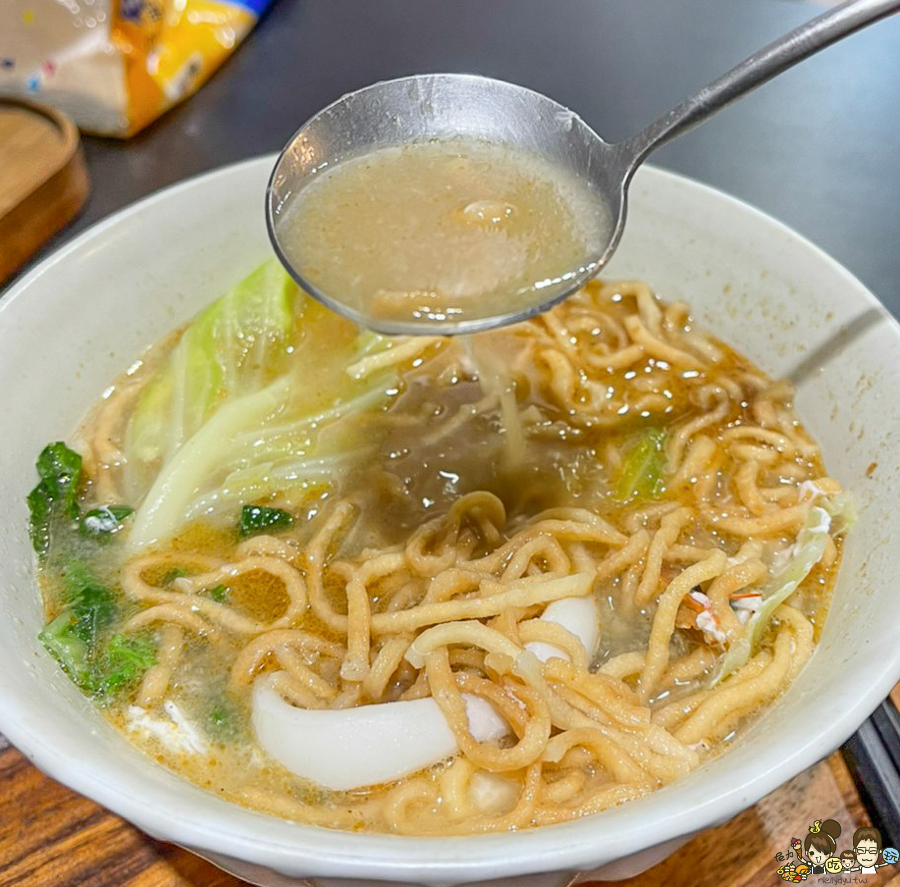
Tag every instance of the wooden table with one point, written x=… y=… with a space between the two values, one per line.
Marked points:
x=816 y=148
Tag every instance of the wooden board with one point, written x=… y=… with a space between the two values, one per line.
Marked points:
x=43 y=179
x=51 y=837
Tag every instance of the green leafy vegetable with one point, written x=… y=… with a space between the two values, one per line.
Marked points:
x=102 y=670
x=91 y=604
x=104 y=521
x=40 y=508
x=256 y=518
x=77 y=638
x=834 y=515
x=62 y=640
x=55 y=498
x=122 y=663
x=54 y=510
x=642 y=473
x=219 y=593
x=222 y=721
x=60 y=472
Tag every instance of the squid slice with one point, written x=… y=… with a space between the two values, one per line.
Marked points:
x=352 y=748
x=579 y=615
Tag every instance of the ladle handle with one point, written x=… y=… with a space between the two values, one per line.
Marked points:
x=769 y=61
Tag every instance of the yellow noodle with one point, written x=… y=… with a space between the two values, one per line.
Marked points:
x=669 y=530
x=531 y=740
x=157 y=679
x=733 y=580
x=727 y=699
x=386 y=662
x=174 y=614
x=659 y=349
x=766 y=525
x=624 y=665
x=519 y=593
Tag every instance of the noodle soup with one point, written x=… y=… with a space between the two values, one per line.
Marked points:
x=434 y=586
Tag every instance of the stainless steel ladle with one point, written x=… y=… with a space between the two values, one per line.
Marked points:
x=431 y=107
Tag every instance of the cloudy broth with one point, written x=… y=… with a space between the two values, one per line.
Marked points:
x=441 y=231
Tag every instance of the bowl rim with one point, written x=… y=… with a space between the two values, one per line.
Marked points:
x=314 y=851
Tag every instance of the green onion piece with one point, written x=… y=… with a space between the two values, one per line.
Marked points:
x=256 y=518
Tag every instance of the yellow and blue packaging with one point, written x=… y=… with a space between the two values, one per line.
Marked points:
x=115 y=65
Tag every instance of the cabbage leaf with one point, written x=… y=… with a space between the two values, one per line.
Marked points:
x=253 y=405
x=230 y=348
x=642 y=473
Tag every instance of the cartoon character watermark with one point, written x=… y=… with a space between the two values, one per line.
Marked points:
x=867 y=847
x=820 y=845
x=817 y=854
x=848 y=860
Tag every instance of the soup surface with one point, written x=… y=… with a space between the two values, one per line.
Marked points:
x=436 y=231
x=434 y=586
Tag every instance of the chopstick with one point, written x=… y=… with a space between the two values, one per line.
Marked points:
x=872 y=756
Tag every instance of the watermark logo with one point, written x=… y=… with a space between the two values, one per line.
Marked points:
x=817 y=855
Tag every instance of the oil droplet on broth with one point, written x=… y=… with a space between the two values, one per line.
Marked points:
x=441 y=231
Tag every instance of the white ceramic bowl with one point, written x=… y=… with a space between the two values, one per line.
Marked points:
x=83 y=315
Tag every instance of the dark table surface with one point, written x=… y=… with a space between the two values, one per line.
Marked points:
x=818 y=148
